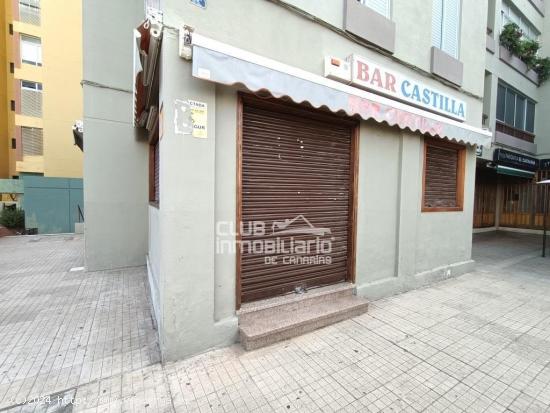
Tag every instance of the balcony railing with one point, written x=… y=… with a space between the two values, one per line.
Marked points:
x=516 y=133
x=29 y=11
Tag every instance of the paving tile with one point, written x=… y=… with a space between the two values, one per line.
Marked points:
x=476 y=343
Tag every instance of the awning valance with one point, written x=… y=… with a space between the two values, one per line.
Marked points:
x=506 y=170
x=228 y=65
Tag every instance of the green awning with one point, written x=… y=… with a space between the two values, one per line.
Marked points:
x=506 y=170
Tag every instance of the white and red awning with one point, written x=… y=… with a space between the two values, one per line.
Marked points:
x=228 y=65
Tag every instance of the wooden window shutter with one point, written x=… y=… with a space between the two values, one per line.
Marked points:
x=154 y=172
x=157 y=172
x=443 y=176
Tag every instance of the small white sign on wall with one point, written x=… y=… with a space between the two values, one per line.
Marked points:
x=199 y=118
x=191 y=118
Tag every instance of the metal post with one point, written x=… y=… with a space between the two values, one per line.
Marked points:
x=544 y=220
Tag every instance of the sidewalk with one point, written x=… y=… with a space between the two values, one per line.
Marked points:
x=480 y=342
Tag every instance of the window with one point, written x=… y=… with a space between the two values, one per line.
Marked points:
x=31 y=98
x=515 y=109
x=29 y=11
x=25 y=84
x=31 y=50
x=510 y=14
x=446 y=26
x=31 y=140
x=13 y=143
x=443 y=188
x=379 y=6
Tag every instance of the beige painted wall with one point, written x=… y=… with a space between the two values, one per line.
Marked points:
x=62 y=73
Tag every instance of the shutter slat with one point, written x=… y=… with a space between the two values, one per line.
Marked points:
x=157 y=172
x=441 y=177
x=451 y=27
x=437 y=22
x=32 y=141
x=293 y=165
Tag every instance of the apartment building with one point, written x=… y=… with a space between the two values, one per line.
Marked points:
x=276 y=164
x=41 y=55
x=515 y=108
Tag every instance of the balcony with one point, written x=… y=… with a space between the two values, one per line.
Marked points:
x=515 y=138
x=518 y=65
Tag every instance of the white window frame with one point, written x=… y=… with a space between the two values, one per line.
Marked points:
x=386 y=13
x=37 y=86
x=26 y=43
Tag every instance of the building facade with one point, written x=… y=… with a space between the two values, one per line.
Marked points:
x=41 y=100
x=514 y=107
x=292 y=145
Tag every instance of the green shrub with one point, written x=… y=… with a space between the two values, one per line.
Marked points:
x=510 y=38
x=12 y=218
x=526 y=49
x=528 y=52
x=542 y=67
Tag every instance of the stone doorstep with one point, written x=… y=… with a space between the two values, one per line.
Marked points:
x=273 y=324
x=284 y=301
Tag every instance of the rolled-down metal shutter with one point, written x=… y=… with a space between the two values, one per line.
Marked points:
x=295 y=175
x=441 y=177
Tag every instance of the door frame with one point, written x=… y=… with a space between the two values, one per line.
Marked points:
x=283 y=106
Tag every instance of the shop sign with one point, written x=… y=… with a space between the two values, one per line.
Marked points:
x=504 y=157
x=363 y=73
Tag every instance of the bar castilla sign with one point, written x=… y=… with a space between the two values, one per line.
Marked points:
x=365 y=74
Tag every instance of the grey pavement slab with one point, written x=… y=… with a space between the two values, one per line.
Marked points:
x=476 y=343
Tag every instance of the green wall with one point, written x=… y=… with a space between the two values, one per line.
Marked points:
x=51 y=204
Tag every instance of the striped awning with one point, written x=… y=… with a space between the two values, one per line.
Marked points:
x=224 y=64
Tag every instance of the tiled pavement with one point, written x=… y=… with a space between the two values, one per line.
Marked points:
x=477 y=343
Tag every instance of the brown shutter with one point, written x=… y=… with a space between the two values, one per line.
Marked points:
x=157 y=172
x=443 y=175
x=293 y=166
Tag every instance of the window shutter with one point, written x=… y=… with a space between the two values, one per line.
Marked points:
x=441 y=177
x=32 y=141
x=437 y=23
x=157 y=172
x=379 y=6
x=451 y=27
